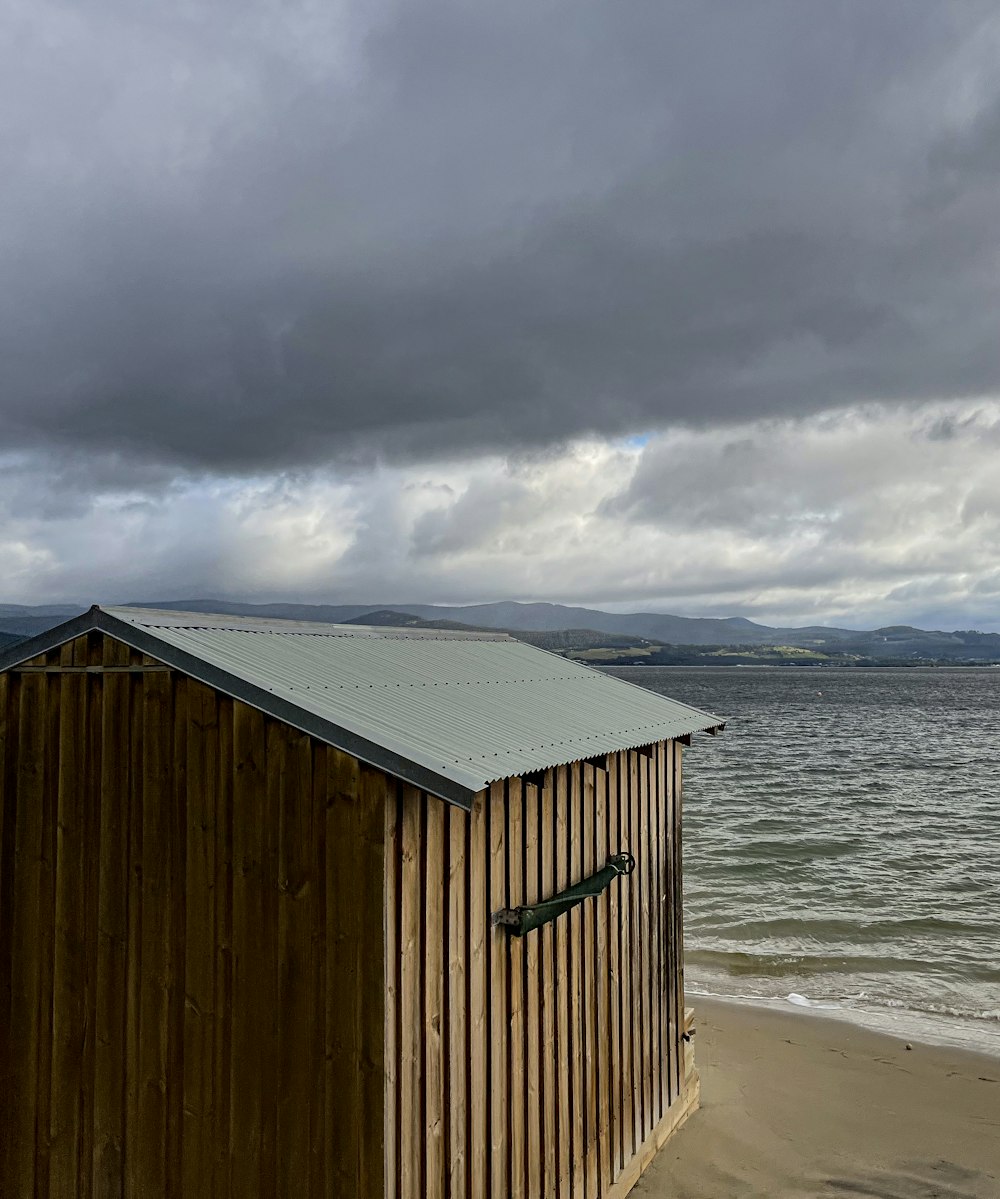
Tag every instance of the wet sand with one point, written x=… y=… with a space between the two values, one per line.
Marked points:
x=795 y=1105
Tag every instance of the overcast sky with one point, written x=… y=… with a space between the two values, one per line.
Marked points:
x=685 y=306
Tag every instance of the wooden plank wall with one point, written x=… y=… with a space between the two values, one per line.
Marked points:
x=548 y=1066
x=191 y=942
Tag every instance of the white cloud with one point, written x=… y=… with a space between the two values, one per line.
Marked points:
x=875 y=515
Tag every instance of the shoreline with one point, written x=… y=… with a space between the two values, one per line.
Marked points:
x=932 y=1029
x=796 y=1105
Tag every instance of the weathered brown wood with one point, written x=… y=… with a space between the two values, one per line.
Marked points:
x=516 y=1110
x=677 y=896
x=533 y=973
x=133 y=956
x=411 y=1028
x=47 y=932
x=393 y=850
x=626 y=957
x=479 y=1132
x=109 y=1030
x=8 y=825
x=499 y=972
x=93 y=837
x=270 y=978
x=434 y=1065
x=69 y=965
x=199 y=940
x=650 y=1013
x=319 y=981
x=371 y=995
x=221 y=740
x=457 y=1004
x=577 y=1045
x=549 y=1103
x=588 y=914
x=663 y=916
x=615 y=891
x=636 y=956
x=294 y=960
x=344 y=936
x=647 y=1151
x=20 y=1040
x=250 y=1024
x=602 y=983
x=562 y=1079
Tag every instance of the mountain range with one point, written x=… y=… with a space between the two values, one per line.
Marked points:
x=580 y=628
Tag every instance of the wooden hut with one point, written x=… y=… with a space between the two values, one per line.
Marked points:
x=283 y=912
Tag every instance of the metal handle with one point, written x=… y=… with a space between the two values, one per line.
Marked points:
x=521 y=920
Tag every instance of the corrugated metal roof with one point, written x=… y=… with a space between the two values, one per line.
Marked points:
x=463 y=708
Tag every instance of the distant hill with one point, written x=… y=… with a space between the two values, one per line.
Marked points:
x=8 y=639
x=509 y=614
x=561 y=627
x=31 y=626
x=557 y=640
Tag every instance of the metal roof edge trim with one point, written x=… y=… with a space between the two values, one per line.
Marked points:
x=369 y=752
x=48 y=639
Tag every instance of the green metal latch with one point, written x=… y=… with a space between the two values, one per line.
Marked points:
x=519 y=921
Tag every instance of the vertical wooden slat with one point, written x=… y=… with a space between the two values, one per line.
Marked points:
x=21 y=1041
x=250 y=1028
x=547 y=935
x=392 y=999
x=175 y=851
x=8 y=826
x=564 y=1062
x=602 y=982
x=370 y=996
x=133 y=953
x=677 y=900
x=615 y=895
x=591 y=1141
x=199 y=937
x=649 y=1013
x=434 y=1066
x=636 y=957
x=457 y=983
x=112 y=931
x=150 y=1136
x=499 y=1023
x=344 y=934
x=626 y=957
x=93 y=839
x=533 y=974
x=270 y=977
x=516 y=950
x=223 y=1000
x=578 y=1061
x=69 y=968
x=47 y=934
x=663 y=918
x=294 y=959
x=478 y=985
x=412 y=952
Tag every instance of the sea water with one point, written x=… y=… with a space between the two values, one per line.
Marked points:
x=842 y=843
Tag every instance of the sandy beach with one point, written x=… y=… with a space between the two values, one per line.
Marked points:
x=796 y=1105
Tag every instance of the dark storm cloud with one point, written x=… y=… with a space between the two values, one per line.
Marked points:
x=238 y=237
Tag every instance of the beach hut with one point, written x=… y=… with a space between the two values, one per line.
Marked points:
x=291 y=909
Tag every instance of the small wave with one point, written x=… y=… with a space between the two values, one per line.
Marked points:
x=991 y=1015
